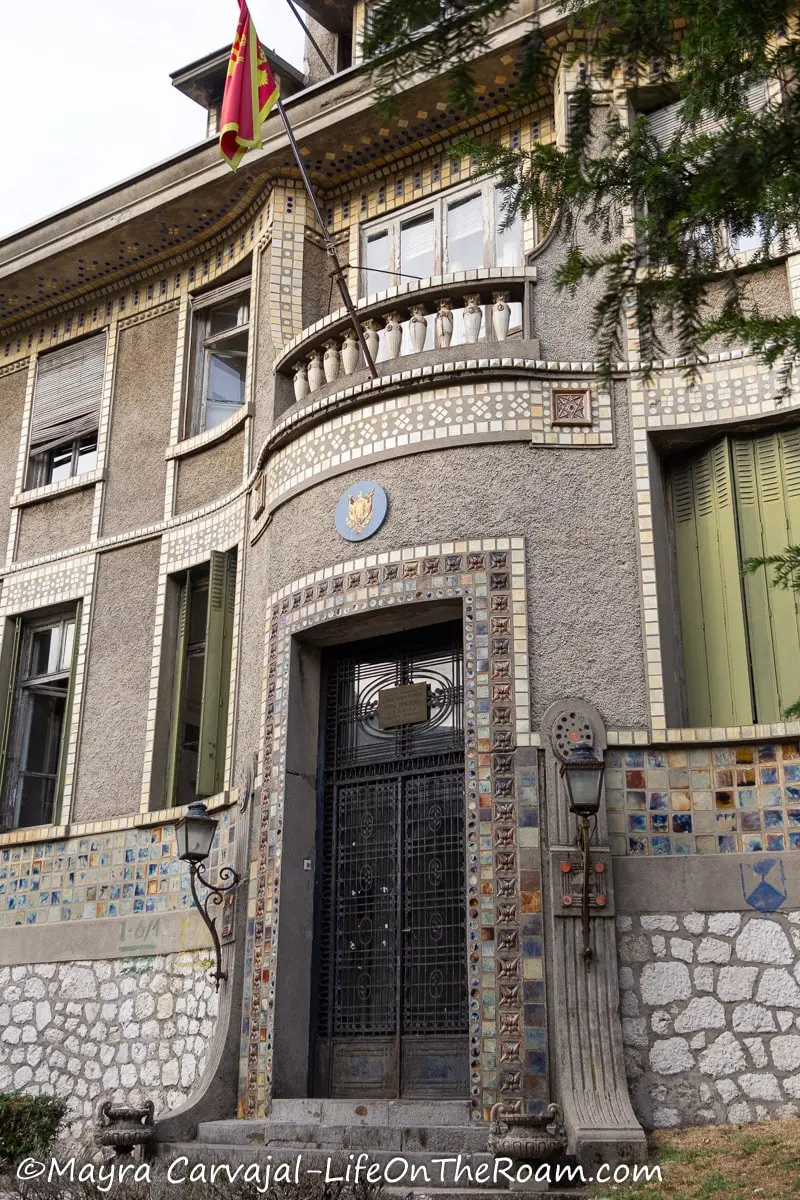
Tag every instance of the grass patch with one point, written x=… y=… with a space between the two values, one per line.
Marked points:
x=720 y=1162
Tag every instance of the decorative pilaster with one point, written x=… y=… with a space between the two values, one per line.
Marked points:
x=586 y=1048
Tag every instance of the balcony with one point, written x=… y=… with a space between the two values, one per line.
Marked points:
x=442 y=319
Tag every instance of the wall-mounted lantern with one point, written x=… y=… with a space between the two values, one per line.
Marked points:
x=583 y=776
x=194 y=835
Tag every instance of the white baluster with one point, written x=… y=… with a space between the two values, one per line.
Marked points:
x=371 y=329
x=501 y=315
x=330 y=361
x=350 y=352
x=418 y=327
x=316 y=373
x=473 y=316
x=300 y=381
x=394 y=334
x=444 y=323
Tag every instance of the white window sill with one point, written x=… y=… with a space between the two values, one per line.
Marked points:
x=209 y=436
x=50 y=490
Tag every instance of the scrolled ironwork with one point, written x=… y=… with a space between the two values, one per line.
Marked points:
x=215 y=894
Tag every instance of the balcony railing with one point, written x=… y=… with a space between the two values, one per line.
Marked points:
x=435 y=316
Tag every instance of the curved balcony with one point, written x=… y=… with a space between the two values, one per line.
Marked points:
x=433 y=320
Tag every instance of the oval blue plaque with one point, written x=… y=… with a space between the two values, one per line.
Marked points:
x=361 y=511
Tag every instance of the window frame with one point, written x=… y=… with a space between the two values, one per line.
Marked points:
x=438 y=205
x=217 y=577
x=201 y=346
x=40 y=466
x=23 y=687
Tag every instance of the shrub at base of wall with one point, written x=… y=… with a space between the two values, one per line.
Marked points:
x=135 y=1028
x=711 y=1016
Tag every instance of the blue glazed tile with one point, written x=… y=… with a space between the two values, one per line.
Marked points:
x=791 y=773
x=634 y=758
x=727 y=844
x=637 y=846
x=682 y=845
x=658 y=800
x=773 y=818
x=660 y=845
x=746 y=797
x=681 y=822
x=655 y=758
x=776 y=841
x=637 y=822
x=752 y=842
x=769 y=774
x=793 y=816
x=659 y=822
x=794 y=841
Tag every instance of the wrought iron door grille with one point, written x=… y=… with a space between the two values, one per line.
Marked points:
x=392 y=916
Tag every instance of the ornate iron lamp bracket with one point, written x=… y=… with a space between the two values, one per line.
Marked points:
x=215 y=894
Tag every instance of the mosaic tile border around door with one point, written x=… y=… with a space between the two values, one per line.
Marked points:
x=506 y=988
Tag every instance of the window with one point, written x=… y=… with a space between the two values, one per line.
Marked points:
x=458 y=231
x=218 y=356
x=201 y=679
x=737 y=499
x=37 y=719
x=66 y=411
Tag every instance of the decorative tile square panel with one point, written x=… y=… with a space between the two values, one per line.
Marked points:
x=704 y=799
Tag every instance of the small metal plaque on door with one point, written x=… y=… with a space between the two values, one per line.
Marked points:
x=406 y=705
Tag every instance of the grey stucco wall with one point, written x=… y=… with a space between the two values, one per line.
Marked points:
x=140 y=420
x=211 y=474
x=575 y=509
x=56 y=524
x=12 y=401
x=111 y=752
x=767 y=289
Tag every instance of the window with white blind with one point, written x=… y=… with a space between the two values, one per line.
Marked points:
x=458 y=230
x=220 y=334
x=667 y=120
x=66 y=411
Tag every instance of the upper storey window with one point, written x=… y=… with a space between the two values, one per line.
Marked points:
x=218 y=356
x=459 y=231
x=66 y=411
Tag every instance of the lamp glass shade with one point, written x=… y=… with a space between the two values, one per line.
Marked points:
x=194 y=834
x=583 y=774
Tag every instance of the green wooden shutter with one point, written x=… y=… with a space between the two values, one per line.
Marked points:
x=8 y=715
x=176 y=712
x=216 y=674
x=766 y=473
x=67 y=722
x=709 y=584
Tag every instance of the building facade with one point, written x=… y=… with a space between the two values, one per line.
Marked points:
x=231 y=559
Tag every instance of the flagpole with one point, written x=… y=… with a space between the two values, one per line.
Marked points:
x=338 y=273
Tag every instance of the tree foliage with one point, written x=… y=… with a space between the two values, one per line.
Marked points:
x=662 y=217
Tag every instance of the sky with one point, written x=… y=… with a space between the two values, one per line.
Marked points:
x=86 y=95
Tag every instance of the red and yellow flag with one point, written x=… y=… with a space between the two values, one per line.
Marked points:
x=250 y=92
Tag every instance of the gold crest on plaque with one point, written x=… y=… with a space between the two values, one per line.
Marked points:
x=359 y=511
